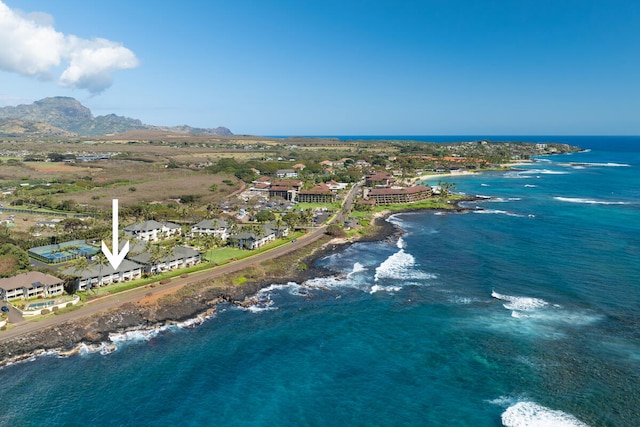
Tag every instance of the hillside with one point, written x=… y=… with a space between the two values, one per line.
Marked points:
x=64 y=116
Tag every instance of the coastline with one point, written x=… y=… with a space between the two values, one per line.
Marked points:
x=188 y=305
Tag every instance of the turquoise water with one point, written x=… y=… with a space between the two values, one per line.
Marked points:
x=525 y=311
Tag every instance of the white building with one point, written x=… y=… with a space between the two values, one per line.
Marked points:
x=101 y=275
x=30 y=285
x=152 y=231
x=217 y=227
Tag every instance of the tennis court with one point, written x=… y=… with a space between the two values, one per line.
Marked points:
x=62 y=252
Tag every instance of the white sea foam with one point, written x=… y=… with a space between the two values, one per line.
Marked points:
x=357 y=268
x=395 y=219
x=396 y=266
x=526 y=174
x=136 y=335
x=399 y=266
x=530 y=185
x=589 y=201
x=485 y=185
x=541 y=312
x=463 y=300
x=531 y=414
x=520 y=303
x=401 y=244
x=583 y=165
x=379 y=288
x=497 y=212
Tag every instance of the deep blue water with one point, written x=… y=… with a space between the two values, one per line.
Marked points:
x=525 y=311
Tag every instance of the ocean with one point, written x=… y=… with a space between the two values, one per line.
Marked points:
x=523 y=312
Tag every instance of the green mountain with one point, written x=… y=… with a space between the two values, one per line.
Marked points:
x=64 y=115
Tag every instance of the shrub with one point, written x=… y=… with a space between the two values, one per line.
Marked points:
x=45 y=311
x=335 y=231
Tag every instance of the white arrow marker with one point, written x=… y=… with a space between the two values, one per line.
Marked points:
x=115 y=258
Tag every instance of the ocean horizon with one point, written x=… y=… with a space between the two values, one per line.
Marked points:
x=523 y=311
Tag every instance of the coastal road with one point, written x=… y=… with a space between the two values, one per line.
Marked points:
x=111 y=301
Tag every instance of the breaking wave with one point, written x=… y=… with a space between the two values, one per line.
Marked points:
x=520 y=303
x=583 y=165
x=498 y=212
x=531 y=414
x=589 y=201
x=379 y=288
x=357 y=268
x=399 y=266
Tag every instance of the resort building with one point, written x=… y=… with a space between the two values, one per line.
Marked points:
x=179 y=257
x=253 y=239
x=286 y=173
x=262 y=180
x=100 y=275
x=287 y=189
x=321 y=193
x=30 y=285
x=217 y=227
x=379 y=179
x=336 y=186
x=152 y=231
x=260 y=189
x=390 y=195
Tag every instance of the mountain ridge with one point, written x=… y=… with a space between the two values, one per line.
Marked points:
x=66 y=116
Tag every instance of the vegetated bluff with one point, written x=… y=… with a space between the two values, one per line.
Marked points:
x=65 y=116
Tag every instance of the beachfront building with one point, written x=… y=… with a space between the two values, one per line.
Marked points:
x=178 y=257
x=100 y=275
x=391 y=195
x=218 y=227
x=286 y=173
x=252 y=239
x=152 y=231
x=33 y=284
x=321 y=193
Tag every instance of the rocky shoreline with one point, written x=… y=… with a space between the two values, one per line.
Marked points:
x=94 y=331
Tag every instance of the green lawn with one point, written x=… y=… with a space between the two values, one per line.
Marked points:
x=222 y=255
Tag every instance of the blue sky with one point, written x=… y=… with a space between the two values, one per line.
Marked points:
x=327 y=67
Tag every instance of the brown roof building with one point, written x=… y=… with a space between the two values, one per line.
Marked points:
x=321 y=193
x=388 y=195
x=30 y=285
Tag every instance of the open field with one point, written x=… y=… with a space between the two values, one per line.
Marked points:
x=148 y=184
x=58 y=168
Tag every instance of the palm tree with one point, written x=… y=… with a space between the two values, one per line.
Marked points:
x=79 y=266
x=156 y=254
x=101 y=261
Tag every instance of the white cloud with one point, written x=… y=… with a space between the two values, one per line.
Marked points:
x=30 y=45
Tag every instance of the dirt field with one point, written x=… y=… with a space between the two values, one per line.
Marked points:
x=56 y=168
x=152 y=184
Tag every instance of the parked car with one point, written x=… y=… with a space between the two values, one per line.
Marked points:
x=5 y=309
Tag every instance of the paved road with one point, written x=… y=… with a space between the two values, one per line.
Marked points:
x=111 y=301
x=108 y=302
